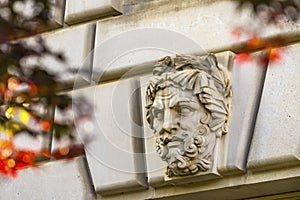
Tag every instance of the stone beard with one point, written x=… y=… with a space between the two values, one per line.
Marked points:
x=187 y=106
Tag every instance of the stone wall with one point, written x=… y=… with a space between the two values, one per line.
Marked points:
x=113 y=44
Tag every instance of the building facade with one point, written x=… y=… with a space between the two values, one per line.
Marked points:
x=114 y=45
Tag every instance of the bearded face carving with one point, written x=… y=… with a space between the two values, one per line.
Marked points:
x=187 y=106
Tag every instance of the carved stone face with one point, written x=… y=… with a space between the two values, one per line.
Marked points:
x=181 y=138
x=188 y=100
x=174 y=109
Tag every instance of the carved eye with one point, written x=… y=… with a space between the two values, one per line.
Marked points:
x=185 y=110
x=158 y=114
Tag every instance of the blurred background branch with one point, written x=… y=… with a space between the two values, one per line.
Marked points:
x=30 y=94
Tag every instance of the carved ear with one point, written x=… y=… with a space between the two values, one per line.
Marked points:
x=206 y=118
x=149 y=118
x=149 y=97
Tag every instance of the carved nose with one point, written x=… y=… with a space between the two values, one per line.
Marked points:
x=169 y=124
x=165 y=139
x=167 y=131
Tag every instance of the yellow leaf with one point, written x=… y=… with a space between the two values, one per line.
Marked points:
x=13 y=126
x=24 y=116
x=9 y=133
x=11 y=163
x=10 y=112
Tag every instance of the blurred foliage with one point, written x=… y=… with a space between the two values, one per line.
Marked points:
x=29 y=94
x=274 y=10
x=20 y=18
x=266 y=13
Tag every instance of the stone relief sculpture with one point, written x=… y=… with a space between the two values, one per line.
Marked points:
x=188 y=100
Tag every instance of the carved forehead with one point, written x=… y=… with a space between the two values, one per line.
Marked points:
x=171 y=96
x=186 y=80
x=171 y=91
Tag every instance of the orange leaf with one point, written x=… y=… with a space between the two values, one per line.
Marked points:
x=254 y=42
x=33 y=89
x=276 y=55
x=26 y=159
x=46 y=126
x=46 y=153
x=11 y=163
x=64 y=150
x=13 y=83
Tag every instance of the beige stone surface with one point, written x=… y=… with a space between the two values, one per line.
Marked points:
x=240 y=186
x=276 y=140
x=57 y=12
x=75 y=44
x=289 y=196
x=124 y=54
x=83 y=10
x=115 y=154
x=244 y=110
x=57 y=180
x=146 y=35
x=155 y=166
x=130 y=6
x=247 y=82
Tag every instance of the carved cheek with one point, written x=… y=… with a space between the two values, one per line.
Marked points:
x=191 y=123
x=157 y=125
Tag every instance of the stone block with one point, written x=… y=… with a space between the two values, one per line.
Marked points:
x=84 y=10
x=241 y=186
x=58 y=180
x=130 y=6
x=115 y=155
x=65 y=141
x=177 y=27
x=75 y=125
x=246 y=82
x=127 y=54
x=57 y=13
x=155 y=166
x=77 y=67
x=276 y=140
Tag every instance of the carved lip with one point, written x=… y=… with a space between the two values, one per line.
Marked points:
x=171 y=141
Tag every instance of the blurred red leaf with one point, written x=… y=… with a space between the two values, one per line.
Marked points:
x=236 y=33
x=255 y=42
x=276 y=55
x=46 y=126
x=242 y=58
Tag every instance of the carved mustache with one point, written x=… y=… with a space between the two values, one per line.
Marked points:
x=164 y=140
